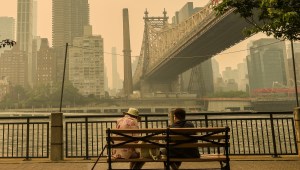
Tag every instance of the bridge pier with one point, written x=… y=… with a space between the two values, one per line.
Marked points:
x=165 y=86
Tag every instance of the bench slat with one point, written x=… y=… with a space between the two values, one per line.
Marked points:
x=160 y=130
x=184 y=145
x=203 y=158
x=172 y=137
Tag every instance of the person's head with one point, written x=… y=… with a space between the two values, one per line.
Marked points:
x=132 y=112
x=179 y=114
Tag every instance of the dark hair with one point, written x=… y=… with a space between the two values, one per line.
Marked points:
x=179 y=113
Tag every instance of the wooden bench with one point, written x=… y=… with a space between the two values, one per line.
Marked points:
x=213 y=143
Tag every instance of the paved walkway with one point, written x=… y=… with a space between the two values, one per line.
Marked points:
x=236 y=163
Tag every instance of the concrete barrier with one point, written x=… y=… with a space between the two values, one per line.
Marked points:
x=56 y=153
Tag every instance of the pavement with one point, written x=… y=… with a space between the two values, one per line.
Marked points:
x=236 y=163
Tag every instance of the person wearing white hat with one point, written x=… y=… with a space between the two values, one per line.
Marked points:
x=132 y=112
x=129 y=121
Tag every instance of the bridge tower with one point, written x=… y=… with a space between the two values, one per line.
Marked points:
x=127 y=86
x=154 y=22
x=149 y=86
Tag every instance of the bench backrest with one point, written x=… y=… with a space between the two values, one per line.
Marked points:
x=217 y=137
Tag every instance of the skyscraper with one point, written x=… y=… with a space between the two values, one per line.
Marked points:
x=45 y=64
x=290 y=63
x=34 y=19
x=114 y=67
x=116 y=81
x=24 y=25
x=25 y=34
x=86 y=64
x=68 y=20
x=13 y=65
x=266 y=63
x=7 y=30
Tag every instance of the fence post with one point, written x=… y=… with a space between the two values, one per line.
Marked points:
x=273 y=136
x=171 y=118
x=146 y=121
x=206 y=120
x=56 y=137
x=27 y=141
x=86 y=139
x=206 y=125
x=297 y=127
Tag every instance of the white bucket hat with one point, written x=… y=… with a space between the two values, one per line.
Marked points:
x=133 y=112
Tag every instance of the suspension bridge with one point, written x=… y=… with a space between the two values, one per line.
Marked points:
x=168 y=49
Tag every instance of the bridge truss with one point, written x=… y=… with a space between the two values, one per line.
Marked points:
x=161 y=38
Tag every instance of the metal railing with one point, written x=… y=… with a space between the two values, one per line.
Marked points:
x=85 y=135
x=24 y=137
x=252 y=133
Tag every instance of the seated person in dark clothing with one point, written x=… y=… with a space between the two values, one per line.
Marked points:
x=180 y=122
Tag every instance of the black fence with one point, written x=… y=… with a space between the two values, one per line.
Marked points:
x=24 y=137
x=252 y=133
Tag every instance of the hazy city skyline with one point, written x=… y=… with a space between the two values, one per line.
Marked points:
x=106 y=19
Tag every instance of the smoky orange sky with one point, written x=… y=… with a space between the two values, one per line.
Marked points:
x=106 y=19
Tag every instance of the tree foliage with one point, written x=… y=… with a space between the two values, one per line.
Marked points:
x=7 y=42
x=280 y=18
x=43 y=96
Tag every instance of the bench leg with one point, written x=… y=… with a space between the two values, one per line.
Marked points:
x=225 y=165
x=136 y=165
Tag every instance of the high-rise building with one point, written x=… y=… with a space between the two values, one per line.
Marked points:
x=290 y=63
x=185 y=12
x=230 y=85
x=7 y=30
x=216 y=69
x=230 y=73
x=13 y=66
x=34 y=19
x=242 y=76
x=116 y=81
x=25 y=34
x=68 y=20
x=266 y=63
x=24 y=25
x=4 y=87
x=86 y=64
x=45 y=64
x=105 y=79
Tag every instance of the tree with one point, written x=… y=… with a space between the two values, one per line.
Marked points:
x=280 y=18
x=7 y=42
x=17 y=95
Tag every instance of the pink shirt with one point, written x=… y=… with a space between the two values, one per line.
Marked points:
x=126 y=122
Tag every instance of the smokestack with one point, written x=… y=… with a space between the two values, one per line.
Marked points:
x=127 y=86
